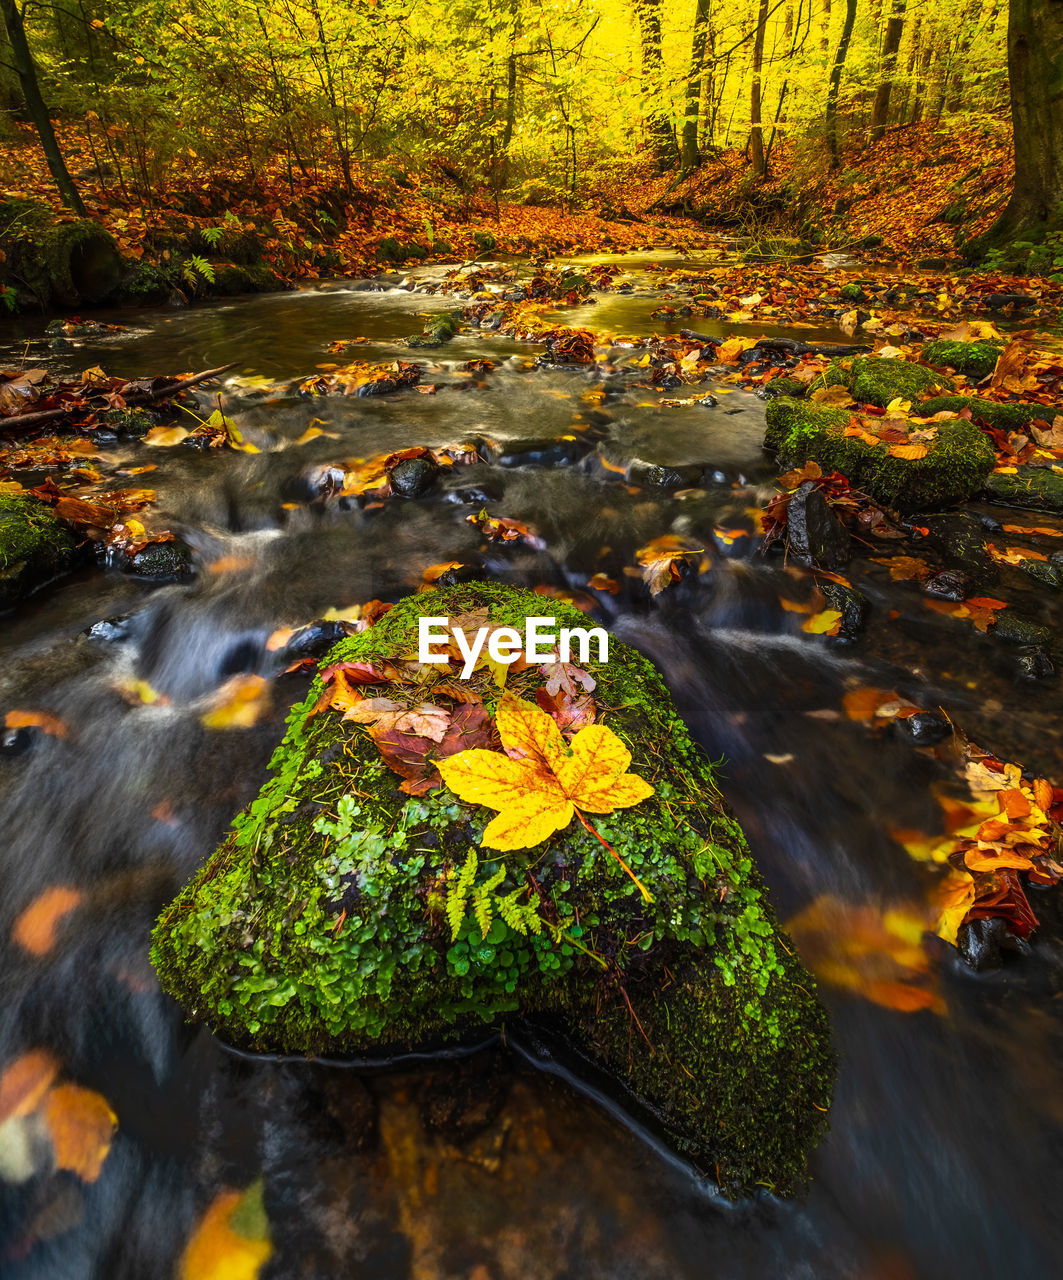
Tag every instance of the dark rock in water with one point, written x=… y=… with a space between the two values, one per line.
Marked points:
x=1013 y=628
x=681 y=476
x=342 y=914
x=925 y=728
x=1047 y=572
x=162 y=561
x=438 y=330
x=413 y=477
x=950 y=584
x=1033 y=664
x=537 y=451
x=781 y=387
x=816 y=535
x=981 y=943
x=465 y=1099
x=852 y=605
x=16 y=742
x=959 y=538
x=313 y=640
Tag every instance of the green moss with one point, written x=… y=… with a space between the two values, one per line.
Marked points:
x=974 y=359
x=1009 y=416
x=62 y=263
x=874 y=380
x=34 y=546
x=956 y=466
x=230 y=279
x=324 y=921
x=1036 y=488
x=438 y=330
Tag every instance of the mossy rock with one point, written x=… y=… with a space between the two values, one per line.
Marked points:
x=63 y=263
x=975 y=360
x=35 y=546
x=230 y=279
x=955 y=467
x=1035 y=488
x=321 y=923
x=877 y=380
x=390 y=250
x=438 y=330
x=1008 y=416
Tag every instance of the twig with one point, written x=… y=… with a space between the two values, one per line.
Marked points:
x=642 y=888
x=11 y=421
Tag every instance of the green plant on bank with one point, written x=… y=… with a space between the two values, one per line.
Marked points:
x=197 y=271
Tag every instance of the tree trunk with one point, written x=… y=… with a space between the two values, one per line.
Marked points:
x=1035 y=74
x=658 y=125
x=891 y=42
x=27 y=76
x=690 y=153
x=831 y=117
x=760 y=168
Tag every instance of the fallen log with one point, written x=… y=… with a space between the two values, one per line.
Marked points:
x=21 y=420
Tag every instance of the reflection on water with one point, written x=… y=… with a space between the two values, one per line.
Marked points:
x=942 y=1155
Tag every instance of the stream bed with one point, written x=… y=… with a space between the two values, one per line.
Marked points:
x=943 y=1153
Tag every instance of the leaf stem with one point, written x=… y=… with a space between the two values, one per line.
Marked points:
x=641 y=887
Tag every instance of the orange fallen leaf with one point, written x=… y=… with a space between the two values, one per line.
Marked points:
x=36 y=927
x=81 y=1125
x=25 y=1082
x=909 y=452
x=43 y=720
x=827 y=623
x=862 y=703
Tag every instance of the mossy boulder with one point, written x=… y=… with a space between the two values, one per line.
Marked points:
x=231 y=279
x=437 y=330
x=327 y=920
x=976 y=360
x=878 y=380
x=35 y=546
x=1036 y=488
x=1008 y=416
x=61 y=261
x=956 y=465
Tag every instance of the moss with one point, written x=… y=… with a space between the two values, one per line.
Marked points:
x=34 y=546
x=852 y=292
x=784 y=386
x=321 y=923
x=132 y=423
x=974 y=359
x=1036 y=488
x=956 y=466
x=389 y=250
x=63 y=263
x=1009 y=416
x=438 y=330
x=875 y=380
x=230 y=279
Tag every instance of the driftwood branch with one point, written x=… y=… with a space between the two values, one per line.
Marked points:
x=20 y=420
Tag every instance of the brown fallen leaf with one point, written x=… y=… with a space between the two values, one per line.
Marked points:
x=25 y=1081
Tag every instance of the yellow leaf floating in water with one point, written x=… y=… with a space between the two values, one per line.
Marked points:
x=232 y=1240
x=240 y=703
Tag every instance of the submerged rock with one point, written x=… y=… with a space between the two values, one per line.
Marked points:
x=326 y=920
x=35 y=546
x=1035 y=488
x=956 y=465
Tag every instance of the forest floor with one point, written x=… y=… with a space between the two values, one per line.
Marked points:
x=911 y=193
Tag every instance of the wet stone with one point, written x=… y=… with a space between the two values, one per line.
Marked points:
x=950 y=584
x=1012 y=628
x=413 y=477
x=925 y=728
x=162 y=561
x=652 y=474
x=816 y=535
x=852 y=605
x=982 y=942
x=537 y=451
x=1033 y=664
x=16 y=742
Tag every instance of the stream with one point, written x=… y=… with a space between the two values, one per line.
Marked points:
x=943 y=1154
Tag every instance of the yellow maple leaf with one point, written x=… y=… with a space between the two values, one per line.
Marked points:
x=826 y=623
x=232 y=1241
x=551 y=781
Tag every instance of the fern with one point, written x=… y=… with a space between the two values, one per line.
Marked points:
x=482 y=898
x=522 y=917
x=212 y=235
x=458 y=893
x=196 y=268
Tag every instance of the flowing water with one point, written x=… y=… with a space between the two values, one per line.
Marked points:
x=943 y=1153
